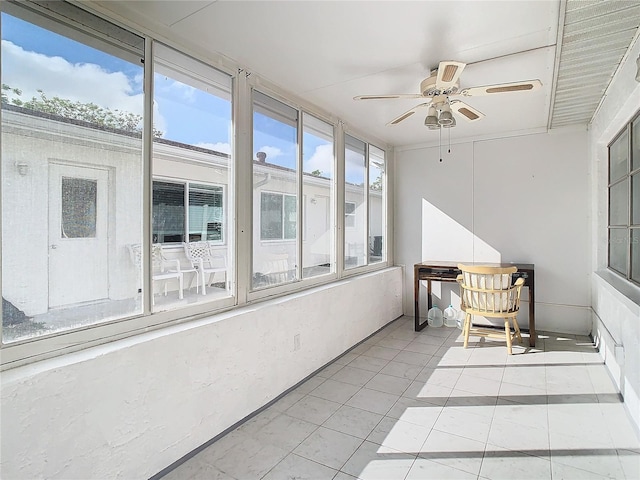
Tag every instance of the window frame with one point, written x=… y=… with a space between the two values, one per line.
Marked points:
x=629 y=231
x=237 y=205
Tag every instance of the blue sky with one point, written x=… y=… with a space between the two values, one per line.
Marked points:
x=34 y=58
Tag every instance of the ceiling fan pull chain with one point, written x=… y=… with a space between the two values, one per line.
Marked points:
x=440 y=142
x=449 y=151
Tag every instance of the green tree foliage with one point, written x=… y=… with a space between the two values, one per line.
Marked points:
x=377 y=183
x=87 y=112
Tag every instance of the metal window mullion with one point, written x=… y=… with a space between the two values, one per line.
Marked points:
x=340 y=187
x=367 y=219
x=147 y=177
x=186 y=212
x=300 y=199
x=629 y=200
x=243 y=181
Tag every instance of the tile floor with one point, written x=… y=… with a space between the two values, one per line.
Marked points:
x=407 y=405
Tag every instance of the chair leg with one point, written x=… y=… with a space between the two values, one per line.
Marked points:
x=466 y=328
x=204 y=290
x=507 y=330
x=181 y=285
x=516 y=328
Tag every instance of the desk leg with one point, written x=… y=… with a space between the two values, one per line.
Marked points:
x=532 y=317
x=417 y=326
x=416 y=299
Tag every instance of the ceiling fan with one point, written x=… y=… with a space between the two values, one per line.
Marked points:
x=441 y=91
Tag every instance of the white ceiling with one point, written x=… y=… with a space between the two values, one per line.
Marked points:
x=326 y=52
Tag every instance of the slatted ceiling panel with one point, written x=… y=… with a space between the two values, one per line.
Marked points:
x=595 y=45
x=596 y=36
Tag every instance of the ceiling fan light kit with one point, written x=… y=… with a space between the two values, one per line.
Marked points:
x=446 y=118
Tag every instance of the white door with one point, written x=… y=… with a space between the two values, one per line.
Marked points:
x=78 y=213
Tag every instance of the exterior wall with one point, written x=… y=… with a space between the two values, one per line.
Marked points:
x=520 y=199
x=25 y=240
x=158 y=396
x=616 y=302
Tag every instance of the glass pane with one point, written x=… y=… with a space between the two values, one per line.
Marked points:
x=377 y=222
x=635 y=199
x=275 y=190
x=79 y=208
x=618 y=249
x=78 y=99
x=192 y=154
x=619 y=203
x=205 y=213
x=271 y=216
x=635 y=254
x=168 y=212
x=619 y=157
x=355 y=193
x=635 y=144
x=290 y=216
x=317 y=186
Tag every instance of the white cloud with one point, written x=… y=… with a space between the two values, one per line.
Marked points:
x=218 y=147
x=354 y=167
x=322 y=159
x=56 y=76
x=272 y=152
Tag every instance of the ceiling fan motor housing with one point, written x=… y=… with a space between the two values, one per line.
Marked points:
x=428 y=86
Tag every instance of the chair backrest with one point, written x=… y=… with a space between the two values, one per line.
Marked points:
x=204 y=251
x=487 y=290
x=196 y=250
x=135 y=254
x=157 y=256
x=276 y=268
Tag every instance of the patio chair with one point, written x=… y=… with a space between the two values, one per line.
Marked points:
x=276 y=269
x=162 y=269
x=487 y=291
x=205 y=262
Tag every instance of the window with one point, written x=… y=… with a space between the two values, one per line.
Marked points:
x=377 y=200
x=365 y=204
x=82 y=146
x=204 y=216
x=624 y=202
x=72 y=169
x=278 y=216
x=318 y=166
x=275 y=192
x=191 y=154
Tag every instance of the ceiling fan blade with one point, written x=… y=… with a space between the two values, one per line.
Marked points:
x=527 y=85
x=467 y=111
x=383 y=97
x=407 y=114
x=448 y=74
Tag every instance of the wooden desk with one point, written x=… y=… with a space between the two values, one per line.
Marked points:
x=448 y=271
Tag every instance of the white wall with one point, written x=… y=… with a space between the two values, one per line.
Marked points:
x=616 y=303
x=130 y=408
x=518 y=199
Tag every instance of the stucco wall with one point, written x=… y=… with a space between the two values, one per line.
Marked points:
x=130 y=408
x=519 y=199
